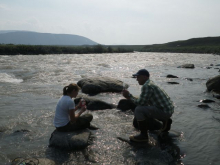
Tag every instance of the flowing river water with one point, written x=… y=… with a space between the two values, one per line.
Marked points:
x=30 y=86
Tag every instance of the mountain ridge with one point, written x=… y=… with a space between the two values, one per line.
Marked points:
x=36 y=38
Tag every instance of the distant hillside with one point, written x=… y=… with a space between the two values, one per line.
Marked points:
x=7 y=31
x=194 y=45
x=212 y=41
x=34 y=38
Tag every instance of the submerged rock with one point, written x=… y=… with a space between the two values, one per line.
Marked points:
x=203 y=106
x=22 y=130
x=95 y=85
x=189 y=79
x=37 y=161
x=217 y=119
x=70 y=140
x=206 y=101
x=95 y=104
x=173 y=83
x=216 y=96
x=191 y=66
x=213 y=83
x=171 y=76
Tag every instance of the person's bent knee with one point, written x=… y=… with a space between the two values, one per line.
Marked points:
x=138 y=109
x=88 y=117
x=139 y=113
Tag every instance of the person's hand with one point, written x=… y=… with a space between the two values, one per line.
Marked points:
x=125 y=93
x=81 y=103
x=83 y=108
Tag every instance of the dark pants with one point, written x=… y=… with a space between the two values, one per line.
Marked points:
x=81 y=123
x=151 y=124
x=151 y=115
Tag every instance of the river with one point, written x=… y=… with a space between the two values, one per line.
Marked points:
x=30 y=86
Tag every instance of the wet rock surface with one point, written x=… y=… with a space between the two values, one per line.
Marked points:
x=206 y=101
x=173 y=82
x=95 y=85
x=217 y=96
x=213 y=83
x=171 y=76
x=204 y=106
x=70 y=140
x=32 y=161
x=189 y=79
x=125 y=105
x=191 y=66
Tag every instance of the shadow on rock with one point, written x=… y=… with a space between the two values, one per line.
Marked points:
x=95 y=104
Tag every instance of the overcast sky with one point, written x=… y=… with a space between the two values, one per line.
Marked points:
x=110 y=22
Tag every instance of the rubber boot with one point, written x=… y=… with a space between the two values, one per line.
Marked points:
x=135 y=123
x=166 y=125
x=143 y=136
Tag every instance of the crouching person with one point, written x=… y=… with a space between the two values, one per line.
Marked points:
x=153 y=103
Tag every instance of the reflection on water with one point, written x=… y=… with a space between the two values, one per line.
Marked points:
x=31 y=85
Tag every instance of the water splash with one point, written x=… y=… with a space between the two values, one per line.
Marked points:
x=4 y=77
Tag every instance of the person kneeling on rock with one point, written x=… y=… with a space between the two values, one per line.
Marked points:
x=153 y=103
x=66 y=119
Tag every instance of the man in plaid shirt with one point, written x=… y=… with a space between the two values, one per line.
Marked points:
x=152 y=103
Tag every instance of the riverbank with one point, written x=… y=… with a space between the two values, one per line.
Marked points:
x=39 y=49
x=10 y=49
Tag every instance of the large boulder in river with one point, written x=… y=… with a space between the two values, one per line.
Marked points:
x=213 y=84
x=70 y=140
x=95 y=104
x=95 y=85
x=125 y=105
x=191 y=66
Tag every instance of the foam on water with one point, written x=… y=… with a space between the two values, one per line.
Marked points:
x=4 y=77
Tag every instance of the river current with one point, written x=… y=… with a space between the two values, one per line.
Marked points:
x=30 y=86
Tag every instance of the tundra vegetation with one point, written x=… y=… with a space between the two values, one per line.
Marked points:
x=208 y=45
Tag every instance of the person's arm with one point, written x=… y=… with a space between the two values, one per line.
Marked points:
x=77 y=107
x=146 y=93
x=73 y=116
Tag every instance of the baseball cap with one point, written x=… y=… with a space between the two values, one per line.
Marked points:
x=143 y=72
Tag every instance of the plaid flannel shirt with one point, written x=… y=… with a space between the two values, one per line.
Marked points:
x=152 y=95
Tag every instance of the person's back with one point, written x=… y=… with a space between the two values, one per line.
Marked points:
x=62 y=111
x=159 y=98
x=66 y=119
